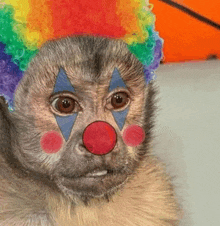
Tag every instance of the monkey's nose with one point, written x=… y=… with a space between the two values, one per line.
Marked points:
x=99 y=138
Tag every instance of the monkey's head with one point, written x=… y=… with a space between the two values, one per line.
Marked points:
x=83 y=115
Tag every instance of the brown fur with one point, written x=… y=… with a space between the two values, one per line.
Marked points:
x=146 y=200
x=32 y=188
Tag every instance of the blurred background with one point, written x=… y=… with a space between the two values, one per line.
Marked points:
x=187 y=132
x=187 y=37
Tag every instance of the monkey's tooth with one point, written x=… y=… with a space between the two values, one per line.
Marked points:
x=97 y=174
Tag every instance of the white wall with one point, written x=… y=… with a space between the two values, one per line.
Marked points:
x=188 y=136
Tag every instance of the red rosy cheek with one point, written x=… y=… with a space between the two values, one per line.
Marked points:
x=133 y=135
x=51 y=142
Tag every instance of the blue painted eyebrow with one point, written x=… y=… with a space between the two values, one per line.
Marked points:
x=116 y=80
x=63 y=82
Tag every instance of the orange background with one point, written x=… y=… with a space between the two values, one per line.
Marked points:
x=187 y=38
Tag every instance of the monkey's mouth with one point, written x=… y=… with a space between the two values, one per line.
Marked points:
x=93 y=184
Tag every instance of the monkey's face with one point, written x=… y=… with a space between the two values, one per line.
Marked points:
x=81 y=115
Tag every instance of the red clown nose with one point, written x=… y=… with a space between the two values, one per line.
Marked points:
x=99 y=138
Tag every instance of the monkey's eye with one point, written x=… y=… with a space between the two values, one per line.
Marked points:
x=64 y=104
x=118 y=100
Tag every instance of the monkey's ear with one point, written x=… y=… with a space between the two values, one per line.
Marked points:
x=5 y=128
x=3 y=105
x=4 y=115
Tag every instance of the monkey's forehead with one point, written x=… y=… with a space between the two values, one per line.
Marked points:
x=80 y=48
x=84 y=58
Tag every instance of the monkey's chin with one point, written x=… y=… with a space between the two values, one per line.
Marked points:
x=92 y=187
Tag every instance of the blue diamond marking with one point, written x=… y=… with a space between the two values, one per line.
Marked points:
x=63 y=82
x=66 y=124
x=120 y=117
x=116 y=80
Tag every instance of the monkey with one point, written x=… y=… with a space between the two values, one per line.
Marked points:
x=74 y=87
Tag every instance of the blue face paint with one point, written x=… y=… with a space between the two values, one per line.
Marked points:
x=120 y=117
x=63 y=83
x=115 y=82
x=65 y=123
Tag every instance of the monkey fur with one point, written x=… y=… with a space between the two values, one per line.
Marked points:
x=39 y=189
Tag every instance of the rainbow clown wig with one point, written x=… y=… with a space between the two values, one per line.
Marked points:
x=26 y=24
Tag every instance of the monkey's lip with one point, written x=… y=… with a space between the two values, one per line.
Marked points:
x=93 y=184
